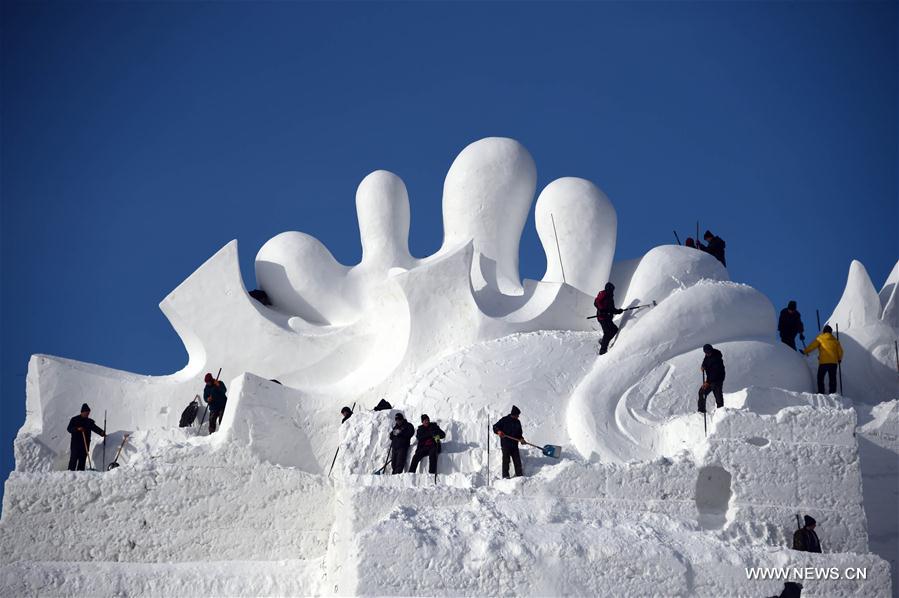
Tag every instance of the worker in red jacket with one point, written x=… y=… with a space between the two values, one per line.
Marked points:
x=605 y=311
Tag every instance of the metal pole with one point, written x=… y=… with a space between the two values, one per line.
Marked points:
x=104 y=440
x=705 y=410
x=488 y=449
x=839 y=363
x=896 y=344
x=676 y=237
x=558 y=250
x=818 y=317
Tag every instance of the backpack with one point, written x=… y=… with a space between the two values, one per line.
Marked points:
x=382 y=405
x=189 y=414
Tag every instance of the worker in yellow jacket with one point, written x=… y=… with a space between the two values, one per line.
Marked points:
x=830 y=353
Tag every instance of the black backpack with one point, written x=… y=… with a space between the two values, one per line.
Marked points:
x=189 y=414
x=382 y=405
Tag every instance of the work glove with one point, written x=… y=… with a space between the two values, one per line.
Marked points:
x=705 y=385
x=500 y=434
x=437 y=439
x=521 y=440
x=619 y=311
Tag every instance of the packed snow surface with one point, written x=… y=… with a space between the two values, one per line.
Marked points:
x=649 y=498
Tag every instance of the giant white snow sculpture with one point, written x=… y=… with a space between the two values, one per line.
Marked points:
x=460 y=336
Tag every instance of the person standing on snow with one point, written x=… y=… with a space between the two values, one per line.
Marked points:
x=80 y=427
x=789 y=325
x=713 y=367
x=805 y=539
x=215 y=397
x=830 y=354
x=429 y=436
x=400 y=437
x=605 y=311
x=508 y=428
x=346 y=412
x=714 y=247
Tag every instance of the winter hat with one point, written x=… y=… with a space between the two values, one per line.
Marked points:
x=610 y=286
x=85 y=407
x=827 y=329
x=515 y=410
x=791 y=305
x=346 y=410
x=399 y=416
x=707 y=347
x=424 y=416
x=208 y=379
x=809 y=520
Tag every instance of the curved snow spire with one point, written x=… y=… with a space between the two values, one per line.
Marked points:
x=860 y=304
x=586 y=226
x=487 y=195
x=889 y=298
x=302 y=277
x=382 y=206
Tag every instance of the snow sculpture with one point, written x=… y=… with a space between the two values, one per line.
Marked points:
x=577 y=219
x=460 y=336
x=486 y=199
x=868 y=332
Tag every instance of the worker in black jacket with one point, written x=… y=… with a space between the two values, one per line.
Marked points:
x=714 y=246
x=805 y=539
x=508 y=428
x=789 y=325
x=400 y=437
x=713 y=367
x=429 y=436
x=80 y=427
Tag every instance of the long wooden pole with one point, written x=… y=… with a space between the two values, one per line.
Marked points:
x=558 y=250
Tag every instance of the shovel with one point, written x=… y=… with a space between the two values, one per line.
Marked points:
x=549 y=450
x=386 y=463
x=653 y=304
x=115 y=462
x=87 y=451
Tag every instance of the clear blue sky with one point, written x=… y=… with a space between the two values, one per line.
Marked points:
x=139 y=138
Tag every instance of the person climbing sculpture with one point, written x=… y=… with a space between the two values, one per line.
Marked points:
x=714 y=246
x=830 y=355
x=215 y=397
x=789 y=325
x=605 y=312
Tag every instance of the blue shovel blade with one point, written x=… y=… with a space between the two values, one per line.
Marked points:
x=551 y=450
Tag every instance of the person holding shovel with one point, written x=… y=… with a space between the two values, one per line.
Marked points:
x=400 y=437
x=81 y=427
x=508 y=428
